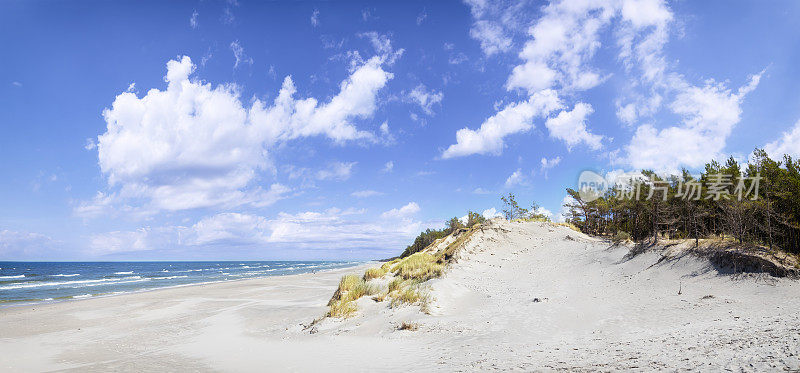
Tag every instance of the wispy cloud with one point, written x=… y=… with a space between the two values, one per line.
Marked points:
x=193 y=19
x=365 y=193
x=238 y=53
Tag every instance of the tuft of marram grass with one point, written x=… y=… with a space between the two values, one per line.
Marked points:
x=351 y=288
x=396 y=284
x=389 y=266
x=570 y=226
x=342 y=309
x=419 y=266
x=374 y=273
x=410 y=294
x=449 y=252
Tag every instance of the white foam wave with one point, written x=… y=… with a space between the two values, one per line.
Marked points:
x=67 y=283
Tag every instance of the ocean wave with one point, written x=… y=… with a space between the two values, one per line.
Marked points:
x=63 y=275
x=81 y=296
x=66 y=283
x=124 y=273
x=168 y=277
x=11 y=277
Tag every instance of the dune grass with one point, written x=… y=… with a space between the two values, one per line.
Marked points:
x=351 y=288
x=342 y=309
x=570 y=226
x=450 y=251
x=396 y=284
x=409 y=273
x=407 y=295
x=403 y=292
x=419 y=266
x=390 y=264
x=374 y=273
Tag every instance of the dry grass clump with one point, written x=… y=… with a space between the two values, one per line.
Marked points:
x=404 y=292
x=449 y=251
x=388 y=265
x=541 y=219
x=570 y=226
x=408 y=295
x=396 y=284
x=374 y=273
x=342 y=309
x=409 y=273
x=351 y=288
x=419 y=266
x=408 y=326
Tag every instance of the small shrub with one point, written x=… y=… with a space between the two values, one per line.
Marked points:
x=621 y=236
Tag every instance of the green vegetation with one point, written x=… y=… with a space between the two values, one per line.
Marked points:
x=419 y=266
x=772 y=220
x=351 y=288
x=512 y=211
x=447 y=254
x=374 y=273
x=415 y=266
x=621 y=236
x=409 y=295
x=429 y=236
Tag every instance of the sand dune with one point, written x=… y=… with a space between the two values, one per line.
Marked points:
x=521 y=296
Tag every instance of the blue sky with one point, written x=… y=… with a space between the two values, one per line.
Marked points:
x=339 y=130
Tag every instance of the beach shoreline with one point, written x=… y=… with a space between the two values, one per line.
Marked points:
x=58 y=335
x=108 y=279
x=518 y=296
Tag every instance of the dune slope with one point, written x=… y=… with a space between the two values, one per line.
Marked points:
x=540 y=296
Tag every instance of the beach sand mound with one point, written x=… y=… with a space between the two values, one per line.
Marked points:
x=536 y=295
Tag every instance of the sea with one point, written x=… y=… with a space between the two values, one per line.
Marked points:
x=37 y=282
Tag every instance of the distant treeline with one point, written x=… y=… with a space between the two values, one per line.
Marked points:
x=685 y=207
x=429 y=235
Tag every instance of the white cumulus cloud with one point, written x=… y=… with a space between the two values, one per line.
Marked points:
x=192 y=145
x=570 y=127
x=709 y=114
x=514 y=118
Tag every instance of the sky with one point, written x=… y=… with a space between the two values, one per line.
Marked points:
x=214 y=130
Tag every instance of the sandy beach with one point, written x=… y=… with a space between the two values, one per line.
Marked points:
x=521 y=296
